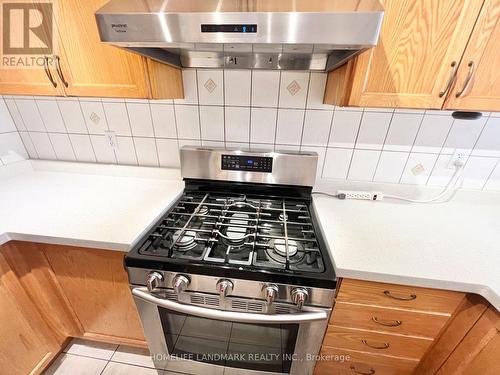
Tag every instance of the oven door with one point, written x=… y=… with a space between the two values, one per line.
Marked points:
x=200 y=340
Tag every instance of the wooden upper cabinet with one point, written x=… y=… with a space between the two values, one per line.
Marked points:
x=91 y=67
x=411 y=64
x=480 y=63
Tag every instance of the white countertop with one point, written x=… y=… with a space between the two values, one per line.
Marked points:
x=89 y=205
x=453 y=245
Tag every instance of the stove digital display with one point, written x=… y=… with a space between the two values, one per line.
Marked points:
x=232 y=28
x=247 y=163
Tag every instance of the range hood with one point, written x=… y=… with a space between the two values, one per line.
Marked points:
x=317 y=35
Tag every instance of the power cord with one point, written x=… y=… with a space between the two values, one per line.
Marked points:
x=376 y=196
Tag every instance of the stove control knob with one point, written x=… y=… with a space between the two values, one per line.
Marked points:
x=224 y=287
x=270 y=293
x=153 y=281
x=180 y=283
x=299 y=297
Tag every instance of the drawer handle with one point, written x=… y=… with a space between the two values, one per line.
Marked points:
x=411 y=297
x=387 y=323
x=369 y=372
x=384 y=345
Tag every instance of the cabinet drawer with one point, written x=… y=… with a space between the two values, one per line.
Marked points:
x=399 y=296
x=375 y=342
x=361 y=363
x=387 y=320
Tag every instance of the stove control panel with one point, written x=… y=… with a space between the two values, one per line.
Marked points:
x=247 y=163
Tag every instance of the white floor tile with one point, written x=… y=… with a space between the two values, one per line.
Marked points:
x=133 y=356
x=67 y=364
x=114 y=368
x=91 y=349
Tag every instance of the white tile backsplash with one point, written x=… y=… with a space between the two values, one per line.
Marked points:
x=237 y=85
x=212 y=123
x=237 y=122
x=51 y=116
x=263 y=125
x=30 y=115
x=363 y=165
x=258 y=109
x=265 y=88
x=289 y=126
x=163 y=117
x=373 y=130
x=317 y=127
x=117 y=117
x=62 y=146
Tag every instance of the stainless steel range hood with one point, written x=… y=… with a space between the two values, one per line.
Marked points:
x=255 y=34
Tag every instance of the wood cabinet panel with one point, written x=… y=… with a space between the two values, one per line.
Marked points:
x=27 y=344
x=361 y=363
x=483 y=50
x=411 y=63
x=166 y=81
x=93 y=68
x=34 y=272
x=467 y=314
x=411 y=323
x=376 y=342
x=479 y=350
x=399 y=296
x=96 y=285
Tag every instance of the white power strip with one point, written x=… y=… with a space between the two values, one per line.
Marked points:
x=364 y=195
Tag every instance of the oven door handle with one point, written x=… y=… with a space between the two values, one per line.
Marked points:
x=303 y=317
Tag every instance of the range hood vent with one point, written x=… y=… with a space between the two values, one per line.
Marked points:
x=317 y=35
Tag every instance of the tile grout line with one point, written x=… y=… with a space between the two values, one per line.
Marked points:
x=87 y=127
x=18 y=131
x=354 y=144
x=45 y=126
x=65 y=127
x=277 y=111
x=305 y=113
x=131 y=135
x=411 y=148
x=440 y=153
x=154 y=135
x=107 y=125
x=382 y=148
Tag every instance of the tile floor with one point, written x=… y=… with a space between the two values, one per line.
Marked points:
x=83 y=357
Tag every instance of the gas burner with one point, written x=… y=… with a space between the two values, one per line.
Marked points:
x=203 y=210
x=283 y=217
x=186 y=242
x=279 y=246
x=236 y=232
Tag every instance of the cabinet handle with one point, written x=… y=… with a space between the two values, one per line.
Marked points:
x=369 y=372
x=47 y=71
x=387 y=323
x=59 y=72
x=411 y=297
x=450 y=80
x=467 y=79
x=384 y=345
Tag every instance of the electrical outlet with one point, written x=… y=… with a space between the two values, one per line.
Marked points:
x=460 y=155
x=111 y=139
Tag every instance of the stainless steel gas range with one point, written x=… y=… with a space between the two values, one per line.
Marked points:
x=235 y=277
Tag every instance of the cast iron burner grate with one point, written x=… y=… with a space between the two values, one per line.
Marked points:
x=243 y=230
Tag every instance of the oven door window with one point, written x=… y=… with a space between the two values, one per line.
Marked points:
x=262 y=347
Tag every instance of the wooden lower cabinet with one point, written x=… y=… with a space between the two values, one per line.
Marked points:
x=50 y=293
x=27 y=344
x=380 y=328
x=96 y=286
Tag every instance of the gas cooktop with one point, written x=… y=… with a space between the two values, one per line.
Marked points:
x=250 y=230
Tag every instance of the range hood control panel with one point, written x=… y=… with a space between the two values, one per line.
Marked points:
x=247 y=163
x=229 y=28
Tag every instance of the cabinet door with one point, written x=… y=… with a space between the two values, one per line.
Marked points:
x=479 y=350
x=96 y=285
x=411 y=64
x=480 y=63
x=29 y=77
x=26 y=343
x=91 y=67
